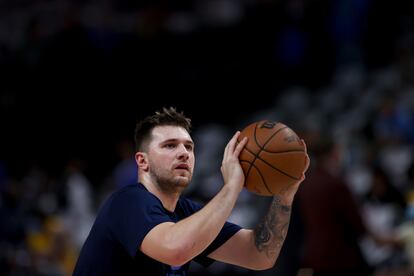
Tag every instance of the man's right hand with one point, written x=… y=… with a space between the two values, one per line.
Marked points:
x=230 y=168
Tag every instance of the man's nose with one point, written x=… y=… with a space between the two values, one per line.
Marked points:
x=182 y=153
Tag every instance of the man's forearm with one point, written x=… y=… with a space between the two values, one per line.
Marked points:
x=271 y=232
x=197 y=231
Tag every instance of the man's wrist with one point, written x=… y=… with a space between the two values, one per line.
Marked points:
x=284 y=200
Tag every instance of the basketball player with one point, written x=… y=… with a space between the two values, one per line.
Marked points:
x=148 y=228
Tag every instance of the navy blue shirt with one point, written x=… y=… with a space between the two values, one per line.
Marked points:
x=112 y=247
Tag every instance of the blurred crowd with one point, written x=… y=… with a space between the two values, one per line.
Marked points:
x=45 y=218
x=340 y=73
x=236 y=42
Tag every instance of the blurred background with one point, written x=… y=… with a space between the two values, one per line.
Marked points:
x=77 y=75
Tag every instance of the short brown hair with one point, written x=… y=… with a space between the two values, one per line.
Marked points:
x=167 y=117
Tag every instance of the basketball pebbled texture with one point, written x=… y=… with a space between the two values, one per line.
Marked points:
x=273 y=158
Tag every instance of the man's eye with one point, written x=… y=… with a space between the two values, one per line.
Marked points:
x=170 y=146
x=189 y=147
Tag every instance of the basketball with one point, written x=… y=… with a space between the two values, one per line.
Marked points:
x=273 y=158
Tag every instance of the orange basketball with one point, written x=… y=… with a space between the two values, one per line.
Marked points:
x=273 y=158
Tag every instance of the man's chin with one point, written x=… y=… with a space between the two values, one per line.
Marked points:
x=183 y=181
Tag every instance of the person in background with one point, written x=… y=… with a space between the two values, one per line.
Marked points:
x=332 y=221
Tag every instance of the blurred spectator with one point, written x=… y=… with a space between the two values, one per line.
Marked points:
x=384 y=192
x=12 y=229
x=333 y=225
x=78 y=214
x=383 y=210
x=394 y=122
x=51 y=249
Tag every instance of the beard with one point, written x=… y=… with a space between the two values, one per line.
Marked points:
x=167 y=181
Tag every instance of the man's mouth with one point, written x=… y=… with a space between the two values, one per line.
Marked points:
x=182 y=167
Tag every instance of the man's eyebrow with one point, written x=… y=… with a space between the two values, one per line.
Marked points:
x=176 y=140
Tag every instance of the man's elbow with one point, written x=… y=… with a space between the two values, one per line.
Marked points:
x=178 y=257
x=260 y=268
x=263 y=265
x=268 y=265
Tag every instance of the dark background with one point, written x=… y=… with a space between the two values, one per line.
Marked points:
x=79 y=88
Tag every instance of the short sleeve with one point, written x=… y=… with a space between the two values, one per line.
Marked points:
x=132 y=215
x=228 y=230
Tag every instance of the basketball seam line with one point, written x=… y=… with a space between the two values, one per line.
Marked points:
x=264 y=161
x=260 y=174
x=255 y=157
x=268 y=140
x=252 y=165
x=285 y=151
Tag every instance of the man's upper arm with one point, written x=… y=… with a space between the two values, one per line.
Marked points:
x=156 y=245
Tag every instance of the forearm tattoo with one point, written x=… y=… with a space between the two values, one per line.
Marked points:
x=271 y=232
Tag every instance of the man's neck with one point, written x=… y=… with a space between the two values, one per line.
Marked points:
x=168 y=199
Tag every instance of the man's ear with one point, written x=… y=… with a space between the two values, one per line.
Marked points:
x=141 y=158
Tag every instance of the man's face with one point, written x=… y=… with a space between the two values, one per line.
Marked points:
x=171 y=157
